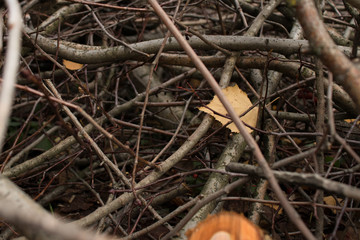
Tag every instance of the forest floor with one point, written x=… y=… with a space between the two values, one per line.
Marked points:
x=106 y=128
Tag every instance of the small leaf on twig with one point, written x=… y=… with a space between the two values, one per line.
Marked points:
x=72 y=65
x=331 y=201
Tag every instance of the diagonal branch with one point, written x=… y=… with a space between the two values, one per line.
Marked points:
x=293 y=215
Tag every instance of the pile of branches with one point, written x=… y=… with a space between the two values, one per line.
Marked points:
x=103 y=126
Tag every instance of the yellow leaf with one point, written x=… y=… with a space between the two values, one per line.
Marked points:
x=351 y=121
x=291 y=3
x=240 y=102
x=72 y=65
x=276 y=207
x=330 y=200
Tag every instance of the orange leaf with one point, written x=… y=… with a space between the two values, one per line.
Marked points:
x=225 y=225
x=239 y=101
x=72 y=65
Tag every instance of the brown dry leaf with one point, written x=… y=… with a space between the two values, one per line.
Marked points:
x=72 y=65
x=239 y=101
x=330 y=200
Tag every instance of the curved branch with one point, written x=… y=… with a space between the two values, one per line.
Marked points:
x=327 y=50
x=94 y=54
